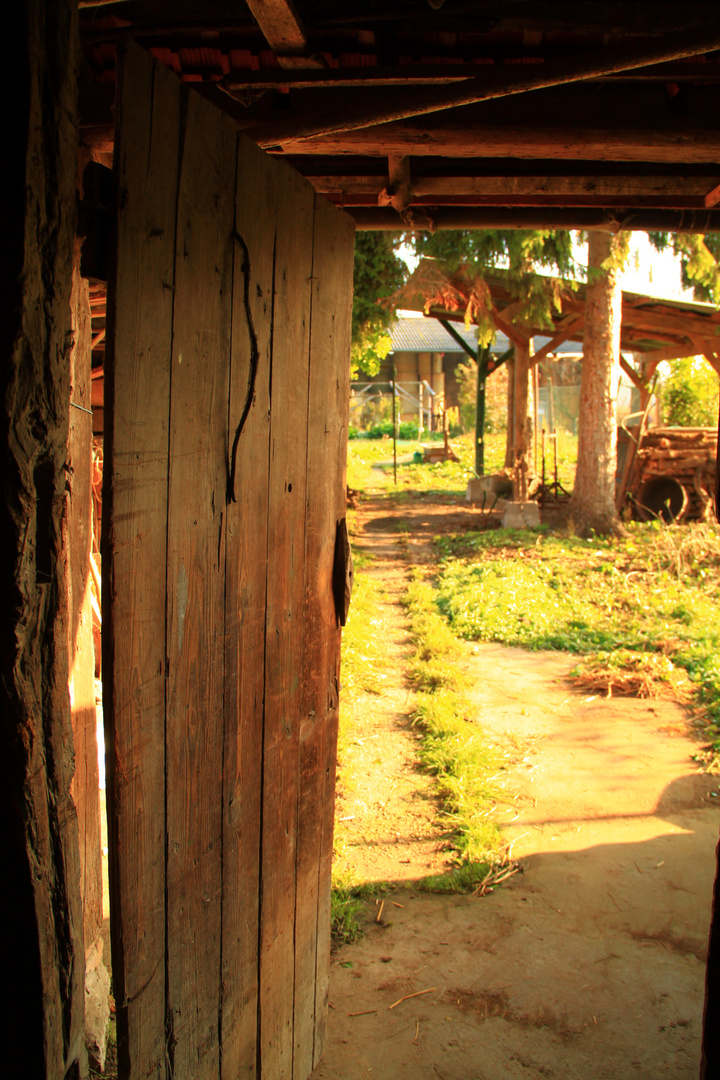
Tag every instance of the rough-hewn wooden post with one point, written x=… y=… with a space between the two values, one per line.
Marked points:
x=510 y=431
x=41 y=934
x=521 y=440
x=593 y=500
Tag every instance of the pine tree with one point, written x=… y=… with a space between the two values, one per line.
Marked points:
x=378 y=272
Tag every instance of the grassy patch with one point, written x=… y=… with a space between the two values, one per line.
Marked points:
x=453 y=747
x=370 y=464
x=636 y=607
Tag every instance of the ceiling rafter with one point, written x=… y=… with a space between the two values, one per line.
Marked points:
x=495 y=83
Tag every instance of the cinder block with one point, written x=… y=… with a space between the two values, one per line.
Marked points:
x=521 y=515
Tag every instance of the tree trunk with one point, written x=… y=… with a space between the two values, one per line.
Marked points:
x=593 y=502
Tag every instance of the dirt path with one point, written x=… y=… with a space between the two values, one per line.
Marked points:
x=589 y=965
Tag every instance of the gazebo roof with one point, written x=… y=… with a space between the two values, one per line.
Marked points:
x=656 y=328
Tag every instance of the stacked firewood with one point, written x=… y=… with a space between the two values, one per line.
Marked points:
x=688 y=455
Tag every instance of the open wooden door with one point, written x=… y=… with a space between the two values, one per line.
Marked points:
x=227 y=385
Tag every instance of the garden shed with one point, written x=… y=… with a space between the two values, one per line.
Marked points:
x=246 y=142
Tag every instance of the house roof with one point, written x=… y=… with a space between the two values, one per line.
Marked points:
x=429 y=335
x=410 y=334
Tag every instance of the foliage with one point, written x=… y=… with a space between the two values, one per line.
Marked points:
x=522 y=253
x=690 y=393
x=407 y=431
x=453 y=748
x=346 y=905
x=496 y=388
x=378 y=272
x=699 y=261
x=651 y=593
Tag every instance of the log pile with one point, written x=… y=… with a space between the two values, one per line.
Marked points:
x=685 y=455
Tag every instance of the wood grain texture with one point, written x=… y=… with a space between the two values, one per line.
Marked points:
x=284 y=626
x=328 y=403
x=222 y=758
x=246 y=577
x=199 y=388
x=137 y=385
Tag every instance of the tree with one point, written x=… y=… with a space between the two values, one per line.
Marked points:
x=699 y=265
x=593 y=506
x=521 y=254
x=378 y=272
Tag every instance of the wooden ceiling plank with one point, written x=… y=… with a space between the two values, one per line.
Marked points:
x=284 y=33
x=494 y=83
x=375 y=75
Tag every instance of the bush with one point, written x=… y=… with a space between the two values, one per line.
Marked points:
x=496 y=389
x=690 y=394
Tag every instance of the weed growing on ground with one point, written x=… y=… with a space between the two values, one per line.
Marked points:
x=362 y=656
x=346 y=904
x=453 y=747
x=622 y=603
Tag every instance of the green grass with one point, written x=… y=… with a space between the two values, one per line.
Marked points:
x=652 y=592
x=453 y=747
x=370 y=464
x=361 y=671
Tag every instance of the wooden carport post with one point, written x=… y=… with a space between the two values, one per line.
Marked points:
x=41 y=933
x=521 y=441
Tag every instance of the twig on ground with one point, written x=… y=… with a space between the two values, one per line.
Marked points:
x=418 y=993
x=495 y=877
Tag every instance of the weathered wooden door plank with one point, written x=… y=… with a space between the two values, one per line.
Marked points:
x=328 y=406
x=222 y=757
x=137 y=382
x=199 y=389
x=285 y=554
x=246 y=583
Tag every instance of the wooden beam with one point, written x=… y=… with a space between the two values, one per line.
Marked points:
x=284 y=33
x=467 y=137
x=472 y=353
x=631 y=374
x=573 y=186
x=372 y=75
x=471 y=217
x=569 y=326
x=398 y=192
x=713 y=197
x=494 y=83
x=512 y=333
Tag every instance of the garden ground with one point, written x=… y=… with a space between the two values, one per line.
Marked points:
x=586 y=964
